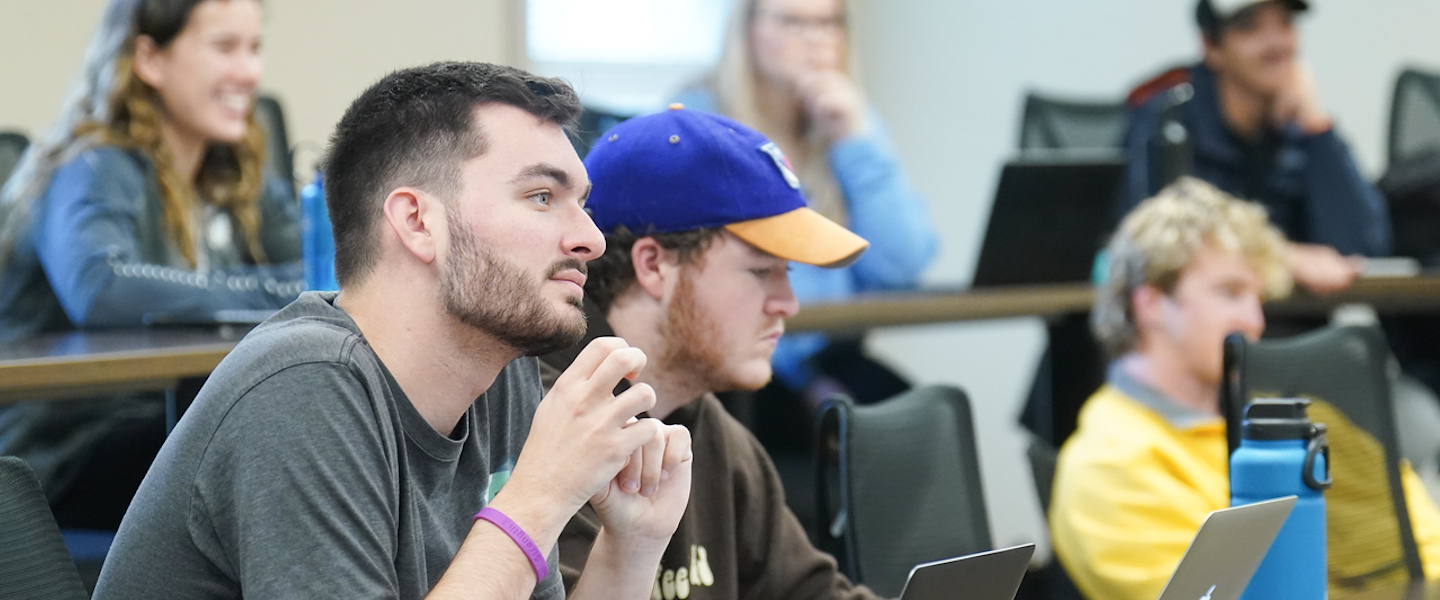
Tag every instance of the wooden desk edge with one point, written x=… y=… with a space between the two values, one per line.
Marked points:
x=95 y=370
x=925 y=308
x=1391 y=296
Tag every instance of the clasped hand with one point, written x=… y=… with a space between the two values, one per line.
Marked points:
x=588 y=445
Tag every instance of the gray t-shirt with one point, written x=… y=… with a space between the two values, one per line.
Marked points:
x=303 y=471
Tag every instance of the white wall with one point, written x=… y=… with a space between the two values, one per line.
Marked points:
x=949 y=77
x=319 y=54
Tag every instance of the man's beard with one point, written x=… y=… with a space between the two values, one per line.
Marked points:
x=496 y=297
x=693 y=342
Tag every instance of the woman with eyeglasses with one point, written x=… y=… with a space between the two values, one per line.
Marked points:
x=146 y=201
x=786 y=70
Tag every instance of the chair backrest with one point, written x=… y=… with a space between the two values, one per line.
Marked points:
x=12 y=147
x=278 y=157
x=1414 y=116
x=1062 y=124
x=899 y=484
x=592 y=123
x=1043 y=458
x=1346 y=367
x=33 y=560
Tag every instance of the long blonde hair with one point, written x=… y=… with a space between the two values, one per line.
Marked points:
x=108 y=104
x=734 y=82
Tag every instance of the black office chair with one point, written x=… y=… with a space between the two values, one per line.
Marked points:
x=1043 y=458
x=1072 y=366
x=1346 y=367
x=1414 y=116
x=1060 y=124
x=1412 y=178
x=1051 y=577
x=12 y=147
x=593 y=122
x=898 y=484
x=33 y=560
x=278 y=158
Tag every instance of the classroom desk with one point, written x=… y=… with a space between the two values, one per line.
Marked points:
x=154 y=359
x=1073 y=366
x=78 y=363
x=1389 y=296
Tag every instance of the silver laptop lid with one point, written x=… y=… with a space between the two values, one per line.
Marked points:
x=1227 y=550
x=993 y=575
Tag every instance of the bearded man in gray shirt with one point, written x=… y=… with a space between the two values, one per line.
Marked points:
x=340 y=450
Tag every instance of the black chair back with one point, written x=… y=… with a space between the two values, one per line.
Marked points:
x=1346 y=366
x=278 y=159
x=33 y=559
x=1062 y=124
x=1414 y=116
x=592 y=124
x=1043 y=458
x=898 y=484
x=12 y=147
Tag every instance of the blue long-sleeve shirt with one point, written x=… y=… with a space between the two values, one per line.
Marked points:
x=97 y=254
x=1308 y=183
x=883 y=209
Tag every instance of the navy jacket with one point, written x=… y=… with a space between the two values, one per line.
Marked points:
x=1309 y=184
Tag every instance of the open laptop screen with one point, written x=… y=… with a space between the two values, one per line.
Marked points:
x=1227 y=550
x=993 y=575
x=1051 y=215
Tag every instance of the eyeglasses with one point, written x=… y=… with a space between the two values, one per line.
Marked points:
x=793 y=24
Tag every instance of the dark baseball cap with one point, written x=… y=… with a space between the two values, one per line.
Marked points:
x=1213 y=15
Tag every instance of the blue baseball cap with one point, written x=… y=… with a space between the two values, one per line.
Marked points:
x=682 y=170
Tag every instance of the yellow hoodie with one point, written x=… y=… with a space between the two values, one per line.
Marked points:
x=1132 y=487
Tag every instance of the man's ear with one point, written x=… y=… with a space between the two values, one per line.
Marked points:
x=652 y=264
x=415 y=217
x=1210 y=51
x=147 y=61
x=1147 y=306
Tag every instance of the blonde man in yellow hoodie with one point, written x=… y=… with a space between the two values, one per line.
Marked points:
x=1148 y=460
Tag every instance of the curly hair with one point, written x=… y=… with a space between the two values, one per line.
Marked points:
x=614 y=271
x=108 y=104
x=1159 y=239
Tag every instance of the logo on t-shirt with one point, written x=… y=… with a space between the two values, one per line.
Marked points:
x=673 y=584
x=497 y=481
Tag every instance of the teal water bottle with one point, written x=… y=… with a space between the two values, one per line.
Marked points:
x=318 y=245
x=1282 y=453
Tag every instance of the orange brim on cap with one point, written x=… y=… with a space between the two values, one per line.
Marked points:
x=802 y=235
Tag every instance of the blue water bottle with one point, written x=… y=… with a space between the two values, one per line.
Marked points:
x=318 y=245
x=1281 y=454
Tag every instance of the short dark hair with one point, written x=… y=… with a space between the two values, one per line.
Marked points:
x=414 y=128
x=614 y=272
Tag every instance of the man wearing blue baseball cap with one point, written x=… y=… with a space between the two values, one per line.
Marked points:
x=701 y=217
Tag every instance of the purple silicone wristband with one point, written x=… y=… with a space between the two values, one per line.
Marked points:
x=527 y=545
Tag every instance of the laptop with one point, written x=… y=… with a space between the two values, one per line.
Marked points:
x=993 y=575
x=1051 y=214
x=1227 y=550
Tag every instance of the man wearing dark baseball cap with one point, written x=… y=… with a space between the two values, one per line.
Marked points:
x=701 y=217
x=1248 y=121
